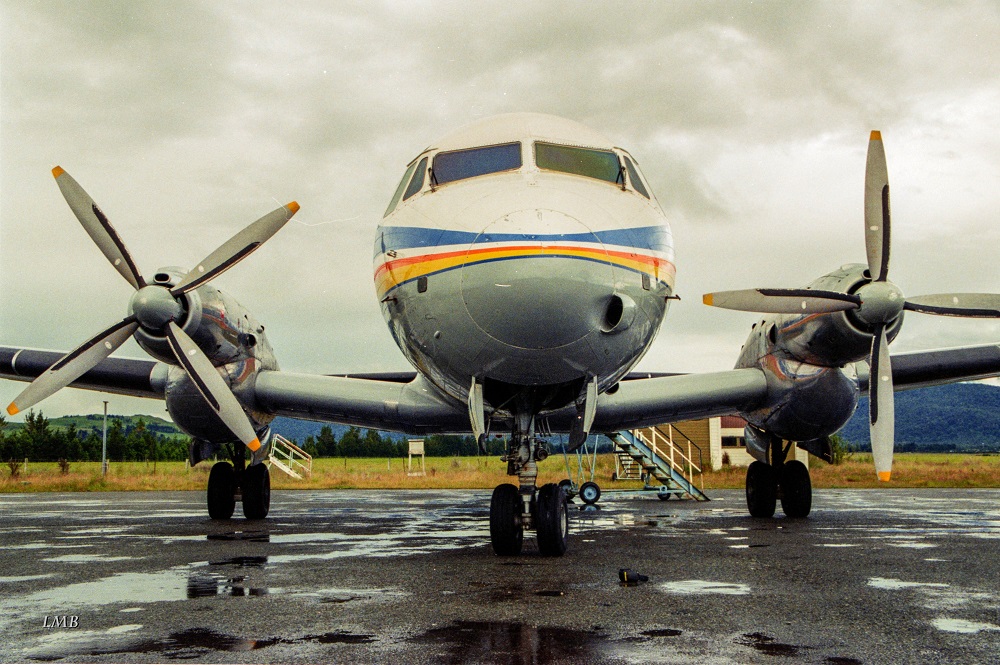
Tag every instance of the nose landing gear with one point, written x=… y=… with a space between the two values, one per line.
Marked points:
x=514 y=509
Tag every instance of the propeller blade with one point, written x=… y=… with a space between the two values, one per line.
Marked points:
x=211 y=385
x=977 y=305
x=236 y=249
x=74 y=364
x=98 y=227
x=881 y=407
x=877 y=235
x=783 y=301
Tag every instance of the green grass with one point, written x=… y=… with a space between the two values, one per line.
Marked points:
x=909 y=470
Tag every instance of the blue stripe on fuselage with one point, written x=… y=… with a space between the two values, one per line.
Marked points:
x=395 y=238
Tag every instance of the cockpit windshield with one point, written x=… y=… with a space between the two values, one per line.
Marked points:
x=462 y=164
x=633 y=177
x=402 y=185
x=600 y=164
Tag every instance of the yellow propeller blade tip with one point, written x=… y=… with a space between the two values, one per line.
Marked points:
x=884 y=476
x=57 y=171
x=293 y=206
x=13 y=410
x=254 y=445
x=876 y=135
x=707 y=299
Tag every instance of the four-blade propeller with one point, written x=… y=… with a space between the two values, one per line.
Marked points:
x=878 y=303
x=156 y=308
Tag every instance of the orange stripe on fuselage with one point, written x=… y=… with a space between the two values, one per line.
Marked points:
x=388 y=275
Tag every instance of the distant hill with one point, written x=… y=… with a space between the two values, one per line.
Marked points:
x=290 y=428
x=959 y=416
x=298 y=430
x=86 y=424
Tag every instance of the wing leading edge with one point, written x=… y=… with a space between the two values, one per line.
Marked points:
x=417 y=407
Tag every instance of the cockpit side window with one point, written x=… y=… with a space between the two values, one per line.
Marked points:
x=399 y=190
x=461 y=164
x=600 y=164
x=418 y=179
x=633 y=177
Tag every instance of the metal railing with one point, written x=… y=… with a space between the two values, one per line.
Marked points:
x=289 y=458
x=666 y=449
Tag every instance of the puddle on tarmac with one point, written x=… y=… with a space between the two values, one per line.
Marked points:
x=481 y=641
x=190 y=644
x=24 y=578
x=949 y=625
x=130 y=588
x=702 y=586
x=894 y=584
x=767 y=645
x=87 y=558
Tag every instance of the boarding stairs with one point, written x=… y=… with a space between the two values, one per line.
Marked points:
x=661 y=458
x=288 y=457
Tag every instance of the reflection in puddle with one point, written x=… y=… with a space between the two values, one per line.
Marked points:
x=766 y=645
x=242 y=562
x=191 y=644
x=249 y=536
x=701 y=586
x=499 y=642
x=962 y=625
x=661 y=632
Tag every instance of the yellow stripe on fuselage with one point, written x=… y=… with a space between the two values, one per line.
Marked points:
x=397 y=271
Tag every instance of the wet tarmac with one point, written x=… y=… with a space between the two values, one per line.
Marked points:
x=876 y=576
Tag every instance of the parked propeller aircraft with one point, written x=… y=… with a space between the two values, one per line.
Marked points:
x=523 y=267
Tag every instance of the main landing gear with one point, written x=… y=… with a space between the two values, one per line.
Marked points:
x=229 y=483
x=787 y=481
x=516 y=508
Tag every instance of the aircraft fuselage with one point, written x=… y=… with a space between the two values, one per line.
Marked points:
x=527 y=279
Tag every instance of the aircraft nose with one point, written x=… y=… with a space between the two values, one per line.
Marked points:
x=537 y=279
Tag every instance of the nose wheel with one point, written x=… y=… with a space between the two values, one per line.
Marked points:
x=506 y=525
x=548 y=517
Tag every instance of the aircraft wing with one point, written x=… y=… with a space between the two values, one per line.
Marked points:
x=121 y=376
x=920 y=369
x=408 y=402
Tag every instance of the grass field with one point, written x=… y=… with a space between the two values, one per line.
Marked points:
x=909 y=470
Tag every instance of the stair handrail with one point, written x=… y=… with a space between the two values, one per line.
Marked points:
x=287 y=451
x=652 y=441
x=701 y=458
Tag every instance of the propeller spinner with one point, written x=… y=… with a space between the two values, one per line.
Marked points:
x=878 y=304
x=157 y=309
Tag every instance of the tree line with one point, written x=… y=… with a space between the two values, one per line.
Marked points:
x=135 y=441
x=356 y=442
x=39 y=441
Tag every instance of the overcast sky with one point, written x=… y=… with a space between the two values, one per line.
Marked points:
x=188 y=120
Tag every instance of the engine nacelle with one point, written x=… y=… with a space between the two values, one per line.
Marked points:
x=808 y=360
x=232 y=339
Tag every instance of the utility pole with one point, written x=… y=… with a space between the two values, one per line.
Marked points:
x=104 y=443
